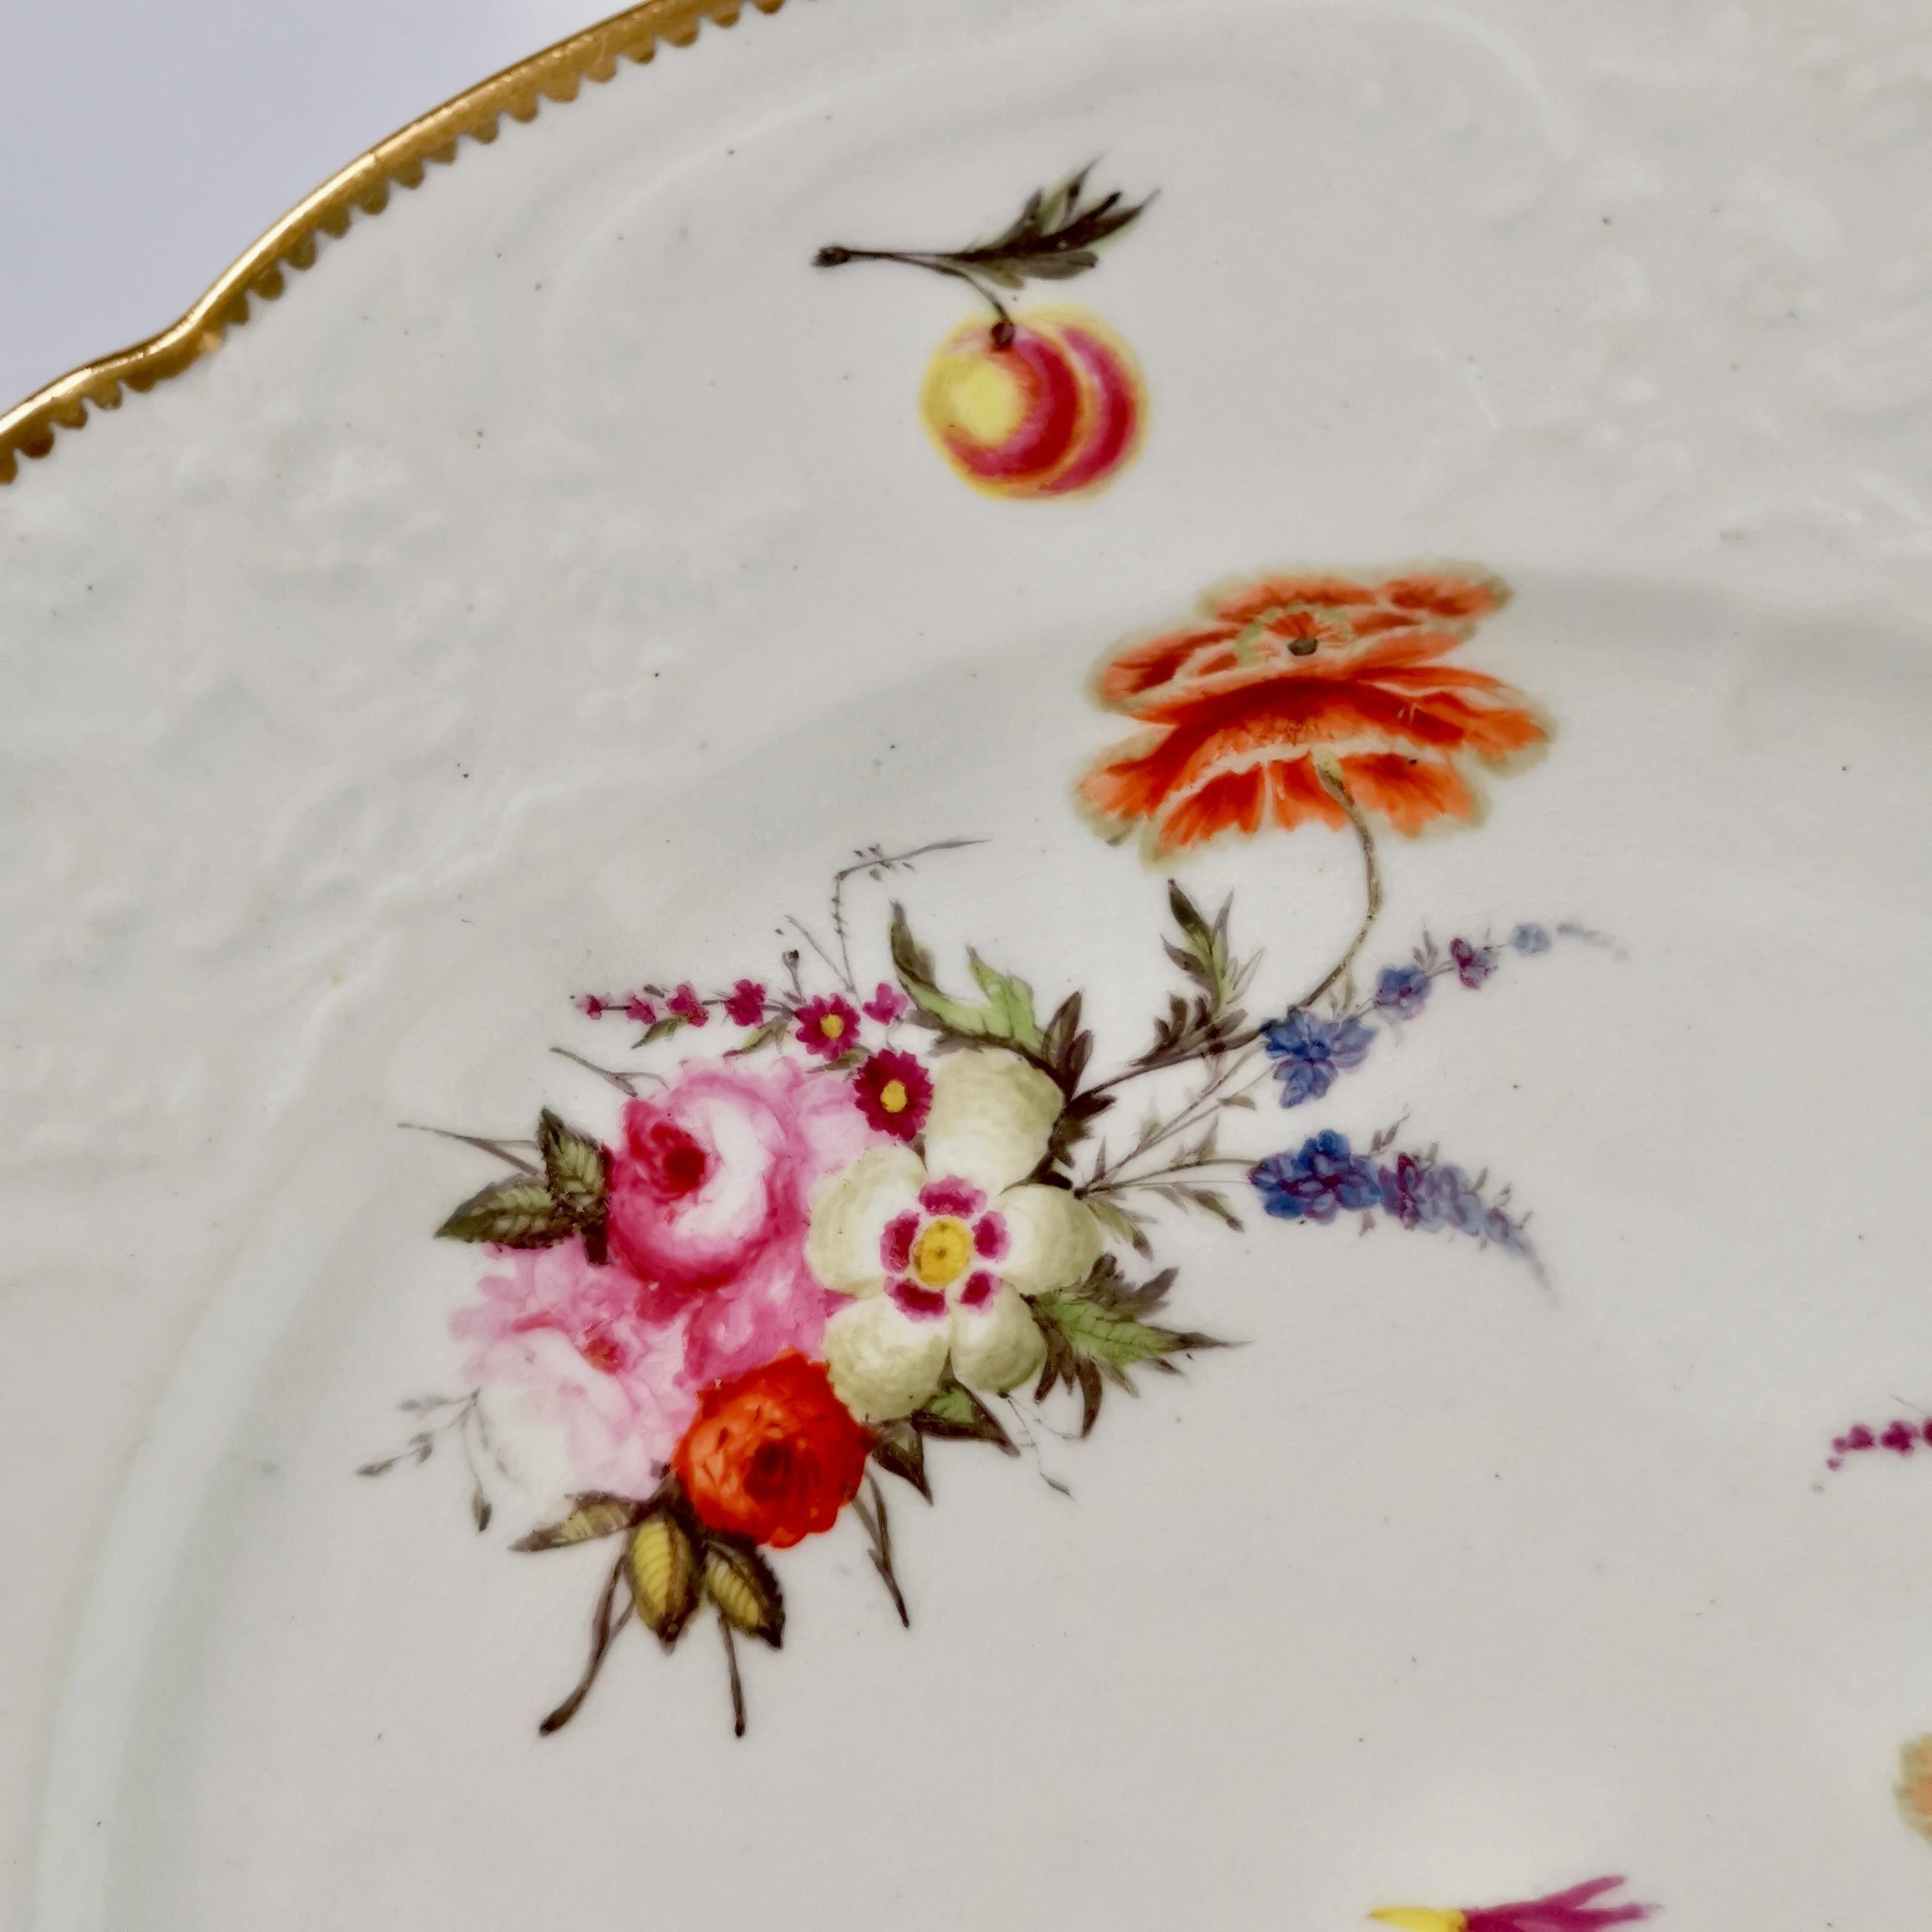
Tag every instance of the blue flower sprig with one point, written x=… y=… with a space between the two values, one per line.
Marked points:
x=1311 y=1050
x=1325 y=1177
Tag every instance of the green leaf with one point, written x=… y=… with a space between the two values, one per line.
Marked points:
x=590 y=1516
x=576 y=1167
x=1095 y=1334
x=1116 y=1341
x=1008 y=1007
x=954 y=1412
x=517 y=1213
x=770 y=1034
x=1007 y=1015
x=661 y=1029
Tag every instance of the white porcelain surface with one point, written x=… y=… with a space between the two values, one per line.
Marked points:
x=556 y=586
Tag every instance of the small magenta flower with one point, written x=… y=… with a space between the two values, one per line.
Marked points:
x=637 y=1008
x=828 y=1026
x=886 y=1004
x=1401 y=991
x=746 y=1005
x=1315 y=1184
x=1898 y=1438
x=1530 y=938
x=1474 y=964
x=687 y=1007
x=1309 y=1052
x=894 y=1093
x=591 y=1007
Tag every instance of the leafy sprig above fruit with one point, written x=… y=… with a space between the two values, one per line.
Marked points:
x=1057 y=235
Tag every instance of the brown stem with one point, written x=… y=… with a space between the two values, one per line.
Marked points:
x=1236 y=1047
x=604 y=1626
x=624 y=1083
x=737 y=1682
x=503 y=1150
x=1127 y=1181
x=878 y=861
x=1338 y=792
x=837 y=257
x=878 y=1527
x=1208 y=1102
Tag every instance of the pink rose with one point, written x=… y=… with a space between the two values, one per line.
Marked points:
x=709 y=1194
x=570 y=1340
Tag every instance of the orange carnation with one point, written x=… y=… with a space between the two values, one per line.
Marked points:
x=1308 y=697
x=772 y=1455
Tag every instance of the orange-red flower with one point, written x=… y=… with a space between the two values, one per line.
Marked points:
x=772 y=1454
x=1298 y=692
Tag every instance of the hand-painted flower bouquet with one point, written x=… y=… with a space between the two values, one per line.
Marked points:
x=867 y=1221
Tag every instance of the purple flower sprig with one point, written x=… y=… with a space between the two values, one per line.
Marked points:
x=1325 y=1177
x=1311 y=1049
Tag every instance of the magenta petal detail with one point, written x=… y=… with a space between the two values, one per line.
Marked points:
x=918 y=1304
x=951 y=1195
x=981 y=1288
x=990 y=1238
x=895 y=1242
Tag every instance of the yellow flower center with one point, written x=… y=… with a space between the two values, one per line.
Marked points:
x=941 y=1254
x=976 y=395
x=832 y=1025
x=893 y=1096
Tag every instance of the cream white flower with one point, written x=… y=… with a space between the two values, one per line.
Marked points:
x=940 y=1255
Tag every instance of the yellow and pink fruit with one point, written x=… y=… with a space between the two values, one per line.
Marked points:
x=1056 y=409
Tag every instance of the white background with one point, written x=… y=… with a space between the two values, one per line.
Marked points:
x=143 y=147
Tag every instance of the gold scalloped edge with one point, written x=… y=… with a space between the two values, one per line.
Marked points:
x=557 y=73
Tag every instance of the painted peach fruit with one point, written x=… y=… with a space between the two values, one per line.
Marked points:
x=1056 y=409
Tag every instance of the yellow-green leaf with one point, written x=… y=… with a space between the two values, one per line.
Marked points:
x=589 y=1517
x=517 y=1213
x=740 y=1582
x=574 y=1165
x=664 y=1576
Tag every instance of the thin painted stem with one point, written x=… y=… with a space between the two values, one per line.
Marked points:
x=503 y=1150
x=811 y=939
x=737 y=1682
x=624 y=1083
x=876 y=860
x=1125 y=1182
x=835 y=257
x=603 y=1627
x=1209 y=1101
x=878 y=1528
x=1339 y=794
